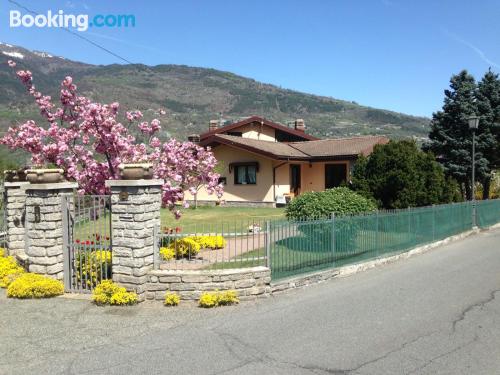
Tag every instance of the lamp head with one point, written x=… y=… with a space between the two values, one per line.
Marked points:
x=473 y=122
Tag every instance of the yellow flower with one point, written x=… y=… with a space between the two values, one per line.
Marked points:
x=172 y=299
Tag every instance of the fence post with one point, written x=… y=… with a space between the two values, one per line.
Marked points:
x=15 y=213
x=135 y=212
x=409 y=224
x=268 y=244
x=66 y=247
x=433 y=222
x=474 y=214
x=377 y=234
x=156 y=244
x=333 y=236
x=46 y=250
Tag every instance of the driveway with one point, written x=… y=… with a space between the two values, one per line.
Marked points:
x=437 y=313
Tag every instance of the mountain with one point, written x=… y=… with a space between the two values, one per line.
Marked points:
x=192 y=96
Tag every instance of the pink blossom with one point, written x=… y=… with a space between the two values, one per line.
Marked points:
x=88 y=141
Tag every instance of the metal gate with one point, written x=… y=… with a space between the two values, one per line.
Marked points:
x=3 y=220
x=87 y=241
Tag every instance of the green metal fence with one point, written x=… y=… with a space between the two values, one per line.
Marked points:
x=303 y=246
x=488 y=212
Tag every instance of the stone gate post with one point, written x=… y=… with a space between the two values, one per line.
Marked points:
x=135 y=211
x=15 y=213
x=44 y=227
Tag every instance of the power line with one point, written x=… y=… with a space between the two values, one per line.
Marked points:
x=74 y=33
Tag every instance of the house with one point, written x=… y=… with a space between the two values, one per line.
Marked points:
x=263 y=163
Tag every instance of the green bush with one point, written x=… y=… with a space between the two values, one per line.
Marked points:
x=340 y=201
x=318 y=233
x=400 y=175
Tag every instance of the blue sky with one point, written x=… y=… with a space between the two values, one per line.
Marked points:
x=391 y=54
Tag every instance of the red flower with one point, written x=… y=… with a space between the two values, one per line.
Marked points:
x=87 y=242
x=77 y=241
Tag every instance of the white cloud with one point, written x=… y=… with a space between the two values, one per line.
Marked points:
x=125 y=42
x=477 y=50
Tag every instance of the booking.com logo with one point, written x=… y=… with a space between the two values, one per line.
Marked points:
x=80 y=22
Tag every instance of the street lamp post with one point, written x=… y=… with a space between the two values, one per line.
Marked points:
x=473 y=125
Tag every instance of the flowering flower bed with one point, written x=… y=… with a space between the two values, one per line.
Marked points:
x=215 y=299
x=188 y=247
x=30 y=285
x=21 y=284
x=92 y=267
x=108 y=293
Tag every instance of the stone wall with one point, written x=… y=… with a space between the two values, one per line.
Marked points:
x=44 y=228
x=135 y=214
x=15 y=200
x=189 y=284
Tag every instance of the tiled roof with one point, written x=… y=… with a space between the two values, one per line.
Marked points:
x=340 y=146
x=258 y=119
x=276 y=149
x=309 y=150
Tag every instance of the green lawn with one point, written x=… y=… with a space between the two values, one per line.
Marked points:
x=201 y=219
x=217 y=219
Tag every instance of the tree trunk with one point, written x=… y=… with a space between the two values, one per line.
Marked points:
x=486 y=187
x=468 y=191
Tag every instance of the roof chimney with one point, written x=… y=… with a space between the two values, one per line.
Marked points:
x=214 y=124
x=299 y=125
x=195 y=138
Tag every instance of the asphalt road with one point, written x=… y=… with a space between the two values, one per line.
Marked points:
x=436 y=313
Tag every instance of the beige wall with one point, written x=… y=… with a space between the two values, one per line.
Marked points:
x=312 y=177
x=282 y=178
x=258 y=131
x=262 y=191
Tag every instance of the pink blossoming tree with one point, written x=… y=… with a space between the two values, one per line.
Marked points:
x=88 y=142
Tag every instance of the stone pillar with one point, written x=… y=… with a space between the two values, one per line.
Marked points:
x=15 y=200
x=135 y=211
x=44 y=227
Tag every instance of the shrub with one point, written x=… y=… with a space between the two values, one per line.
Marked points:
x=30 y=285
x=172 y=299
x=167 y=253
x=182 y=247
x=93 y=266
x=400 y=175
x=2 y=252
x=208 y=300
x=9 y=270
x=229 y=297
x=210 y=242
x=318 y=234
x=340 y=201
x=108 y=293
x=214 y=299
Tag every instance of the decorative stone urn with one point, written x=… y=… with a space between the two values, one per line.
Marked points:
x=139 y=171
x=11 y=175
x=44 y=176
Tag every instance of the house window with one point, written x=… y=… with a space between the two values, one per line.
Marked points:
x=245 y=175
x=335 y=175
x=235 y=134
